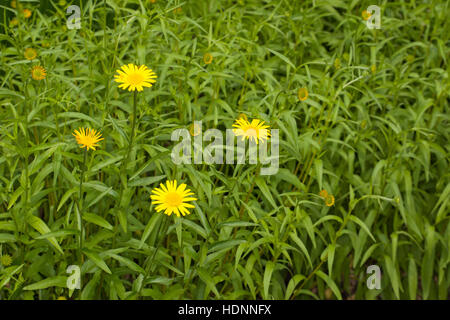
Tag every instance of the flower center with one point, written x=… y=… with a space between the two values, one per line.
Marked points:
x=135 y=78
x=173 y=199
x=251 y=131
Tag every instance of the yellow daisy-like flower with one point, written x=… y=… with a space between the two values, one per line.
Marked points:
x=195 y=129
x=26 y=13
x=170 y=198
x=302 y=94
x=38 y=73
x=329 y=200
x=134 y=77
x=323 y=193
x=366 y=15
x=87 y=138
x=30 y=54
x=6 y=260
x=255 y=130
x=207 y=58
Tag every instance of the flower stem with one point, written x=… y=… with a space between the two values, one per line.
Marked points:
x=123 y=170
x=162 y=226
x=80 y=207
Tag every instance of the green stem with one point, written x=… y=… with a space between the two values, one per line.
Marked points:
x=150 y=262
x=123 y=169
x=80 y=207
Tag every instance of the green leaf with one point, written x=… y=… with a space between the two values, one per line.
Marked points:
x=57 y=281
x=330 y=283
x=265 y=190
x=42 y=228
x=270 y=265
x=300 y=243
x=96 y=219
x=97 y=260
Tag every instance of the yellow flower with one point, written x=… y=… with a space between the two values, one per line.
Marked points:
x=207 y=58
x=26 y=13
x=254 y=130
x=13 y=4
x=152 y=1
x=171 y=198
x=195 y=129
x=87 y=138
x=14 y=22
x=6 y=260
x=323 y=193
x=38 y=73
x=366 y=15
x=30 y=54
x=329 y=200
x=302 y=94
x=61 y=298
x=134 y=77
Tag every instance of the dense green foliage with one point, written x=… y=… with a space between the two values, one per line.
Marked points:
x=373 y=132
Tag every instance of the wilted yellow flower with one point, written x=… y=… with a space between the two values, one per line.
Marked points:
x=171 y=198
x=242 y=116
x=38 y=73
x=207 y=58
x=6 y=260
x=26 y=13
x=13 y=22
x=195 y=129
x=87 y=138
x=134 y=77
x=254 y=130
x=323 y=193
x=30 y=54
x=329 y=200
x=366 y=15
x=302 y=94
